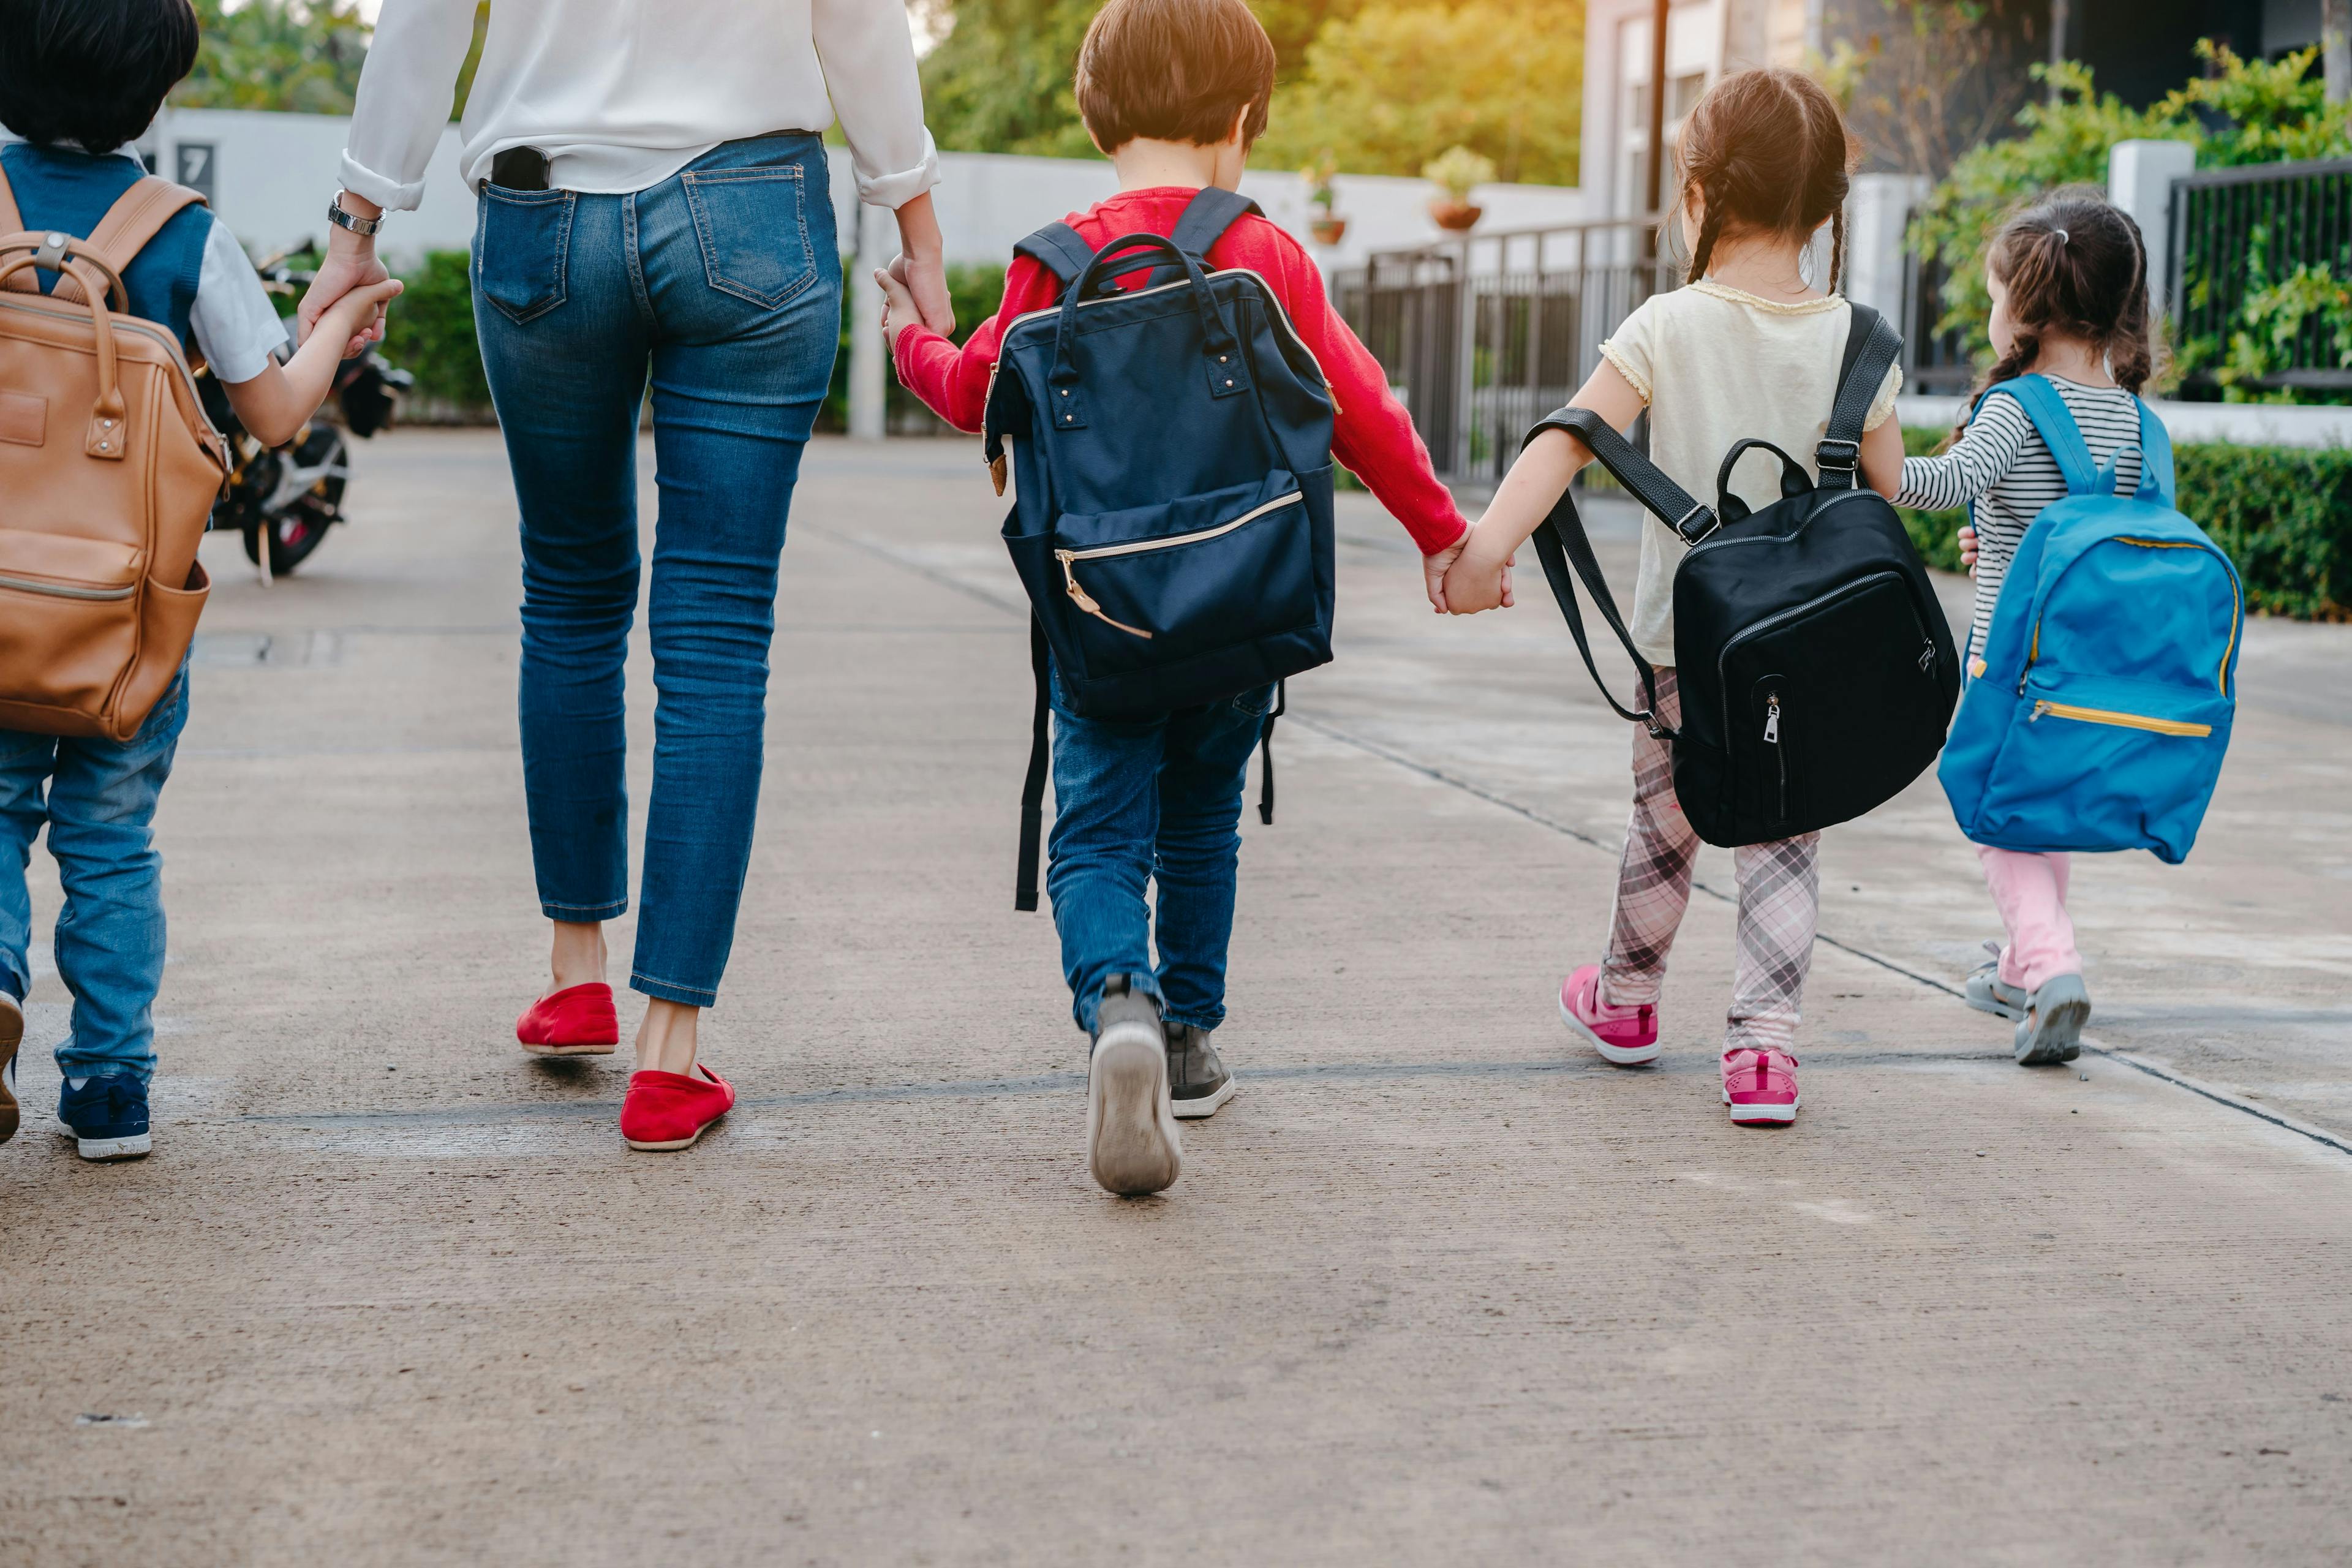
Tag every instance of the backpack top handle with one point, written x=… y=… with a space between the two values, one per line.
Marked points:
x=1225 y=366
x=107 y=436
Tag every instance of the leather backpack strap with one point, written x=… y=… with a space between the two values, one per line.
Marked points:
x=129 y=225
x=1871 y=344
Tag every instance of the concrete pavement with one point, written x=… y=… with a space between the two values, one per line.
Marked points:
x=1436 y=1287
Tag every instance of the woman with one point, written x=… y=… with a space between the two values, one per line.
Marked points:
x=652 y=202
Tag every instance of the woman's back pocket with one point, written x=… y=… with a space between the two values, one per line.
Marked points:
x=753 y=231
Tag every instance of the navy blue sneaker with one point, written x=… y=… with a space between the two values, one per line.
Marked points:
x=106 y=1117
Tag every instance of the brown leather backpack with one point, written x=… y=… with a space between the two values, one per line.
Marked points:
x=108 y=468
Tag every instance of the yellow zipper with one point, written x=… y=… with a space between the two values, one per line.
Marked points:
x=2122 y=721
x=1079 y=596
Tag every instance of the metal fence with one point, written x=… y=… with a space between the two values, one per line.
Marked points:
x=2236 y=232
x=1485 y=335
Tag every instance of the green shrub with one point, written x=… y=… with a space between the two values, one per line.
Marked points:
x=430 y=333
x=2284 y=514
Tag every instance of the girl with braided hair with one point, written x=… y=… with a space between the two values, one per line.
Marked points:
x=2068 y=277
x=1751 y=347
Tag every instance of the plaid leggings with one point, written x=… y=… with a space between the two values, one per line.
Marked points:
x=1780 y=902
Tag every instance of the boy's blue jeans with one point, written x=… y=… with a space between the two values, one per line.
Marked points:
x=96 y=798
x=723 y=282
x=1154 y=799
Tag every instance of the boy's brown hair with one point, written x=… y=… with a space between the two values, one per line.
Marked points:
x=1766 y=150
x=1174 y=70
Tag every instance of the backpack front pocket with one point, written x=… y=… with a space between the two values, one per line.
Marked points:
x=1155 y=585
x=2106 y=763
x=68 y=618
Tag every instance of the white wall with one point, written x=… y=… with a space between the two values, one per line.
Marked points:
x=272 y=176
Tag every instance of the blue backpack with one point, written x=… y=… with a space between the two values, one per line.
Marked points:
x=1172 y=520
x=2098 y=714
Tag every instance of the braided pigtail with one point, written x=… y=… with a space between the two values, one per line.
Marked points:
x=1837 y=248
x=1710 y=229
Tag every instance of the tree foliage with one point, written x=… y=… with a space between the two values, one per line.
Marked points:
x=276 y=54
x=1394 y=86
x=2244 y=112
x=1386 y=85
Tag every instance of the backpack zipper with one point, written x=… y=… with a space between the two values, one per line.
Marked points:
x=2121 y=720
x=1079 y=596
x=60 y=591
x=1780 y=757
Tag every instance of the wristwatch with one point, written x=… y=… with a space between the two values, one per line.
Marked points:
x=365 y=227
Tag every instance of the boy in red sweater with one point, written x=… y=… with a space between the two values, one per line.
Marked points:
x=1174 y=93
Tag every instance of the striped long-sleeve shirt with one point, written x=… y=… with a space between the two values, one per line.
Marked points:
x=2002 y=465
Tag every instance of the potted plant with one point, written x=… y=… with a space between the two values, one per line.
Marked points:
x=1456 y=171
x=1330 y=227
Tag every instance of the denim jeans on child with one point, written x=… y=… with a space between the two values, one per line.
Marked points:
x=1151 y=799
x=724 y=281
x=97 y=797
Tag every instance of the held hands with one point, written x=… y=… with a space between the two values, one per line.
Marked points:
x=1475 y=579
x=349 y=263
x=1968 y=549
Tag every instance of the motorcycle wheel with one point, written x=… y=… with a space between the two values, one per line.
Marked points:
x=299 y=528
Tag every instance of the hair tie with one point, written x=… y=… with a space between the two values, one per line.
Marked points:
x=2060 y=234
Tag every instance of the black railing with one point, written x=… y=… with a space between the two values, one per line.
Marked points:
x=2238 y=233
x=1483 y=336
x=1935 y=363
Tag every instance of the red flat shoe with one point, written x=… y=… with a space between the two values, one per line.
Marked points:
x=671 y=1110
x=577 y=1021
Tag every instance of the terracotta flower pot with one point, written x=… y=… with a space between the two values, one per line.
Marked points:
x=1455 y=216
x=1329 y=230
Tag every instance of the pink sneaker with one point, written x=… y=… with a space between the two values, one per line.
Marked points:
x=1760 y=1084
x=1625 y=1035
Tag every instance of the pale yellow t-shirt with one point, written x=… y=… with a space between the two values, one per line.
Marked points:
x=1717 y=366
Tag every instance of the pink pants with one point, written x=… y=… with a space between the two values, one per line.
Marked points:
x=2029 y=890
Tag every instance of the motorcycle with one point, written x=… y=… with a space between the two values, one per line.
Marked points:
x=283 y=499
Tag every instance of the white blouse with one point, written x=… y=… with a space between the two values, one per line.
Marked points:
x=622 y=94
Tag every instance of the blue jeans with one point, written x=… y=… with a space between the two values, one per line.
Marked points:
x=96 y=798
x=1154 y=799
x=724 y=282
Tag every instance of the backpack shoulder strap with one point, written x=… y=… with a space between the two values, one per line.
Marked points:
x=1871 y=344
x=2155 y=456
x=129 y=225
x=1058 y=250
x=2055 y=424
x=1211 y=211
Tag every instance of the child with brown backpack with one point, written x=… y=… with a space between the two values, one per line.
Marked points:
x=110 y=280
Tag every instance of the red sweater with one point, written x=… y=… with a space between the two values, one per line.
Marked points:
x=1371 y=433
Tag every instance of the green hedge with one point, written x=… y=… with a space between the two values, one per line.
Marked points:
x=2283 y=513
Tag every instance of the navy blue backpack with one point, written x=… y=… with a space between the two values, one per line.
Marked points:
x=1172 y=516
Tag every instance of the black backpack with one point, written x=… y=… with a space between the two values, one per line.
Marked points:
x=1816 y=668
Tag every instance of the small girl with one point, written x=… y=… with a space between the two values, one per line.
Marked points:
x=2069 y=283
x=1749 y=348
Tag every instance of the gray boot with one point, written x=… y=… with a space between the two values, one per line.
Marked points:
x=2051 y=1029
x=1131 y=1144
x=1197 y=1080
x=1987 y=992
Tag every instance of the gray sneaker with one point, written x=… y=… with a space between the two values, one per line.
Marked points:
x=1131 y=1144
x=2051 y=1029
x=1987 y=992
x=1197 y=1080
x=12 y=1035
